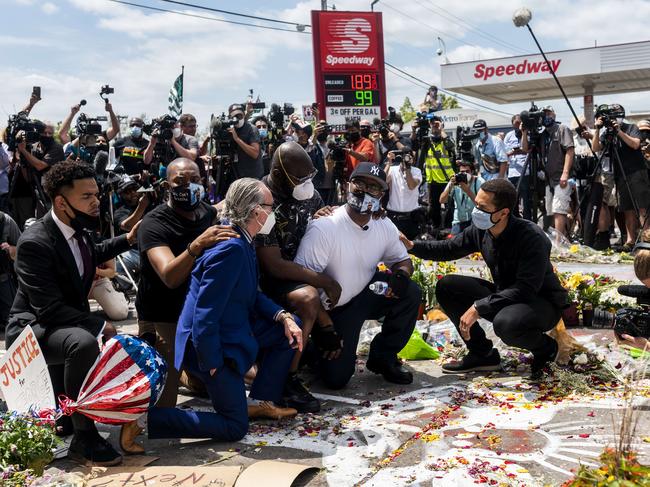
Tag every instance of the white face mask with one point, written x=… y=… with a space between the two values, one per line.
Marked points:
x=268 y=224
x=394 y=128
x=303 y=191
x=240 y=123
x=619 y=120
x=177 y=132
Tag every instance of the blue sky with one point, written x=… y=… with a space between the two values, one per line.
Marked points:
x=72 y=47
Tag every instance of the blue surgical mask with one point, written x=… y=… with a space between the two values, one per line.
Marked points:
x=263 y=133
x=482 y=219
x=136 y=132
x=483 y=136
x=363 y=202
x=548 y=121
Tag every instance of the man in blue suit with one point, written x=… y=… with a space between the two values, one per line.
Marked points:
x=226 y=324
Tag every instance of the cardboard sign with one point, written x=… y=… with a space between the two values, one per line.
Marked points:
x=166 y=476
x=269 y=472
x=24 y=378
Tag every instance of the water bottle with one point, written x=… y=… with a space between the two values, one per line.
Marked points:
x=379 y=287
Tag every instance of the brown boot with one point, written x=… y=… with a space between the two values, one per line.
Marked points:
x=128 y=434
x=267 y=409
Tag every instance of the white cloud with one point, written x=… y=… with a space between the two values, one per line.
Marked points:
x=49 y=8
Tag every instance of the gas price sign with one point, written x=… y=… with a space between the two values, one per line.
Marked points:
x=349 y=66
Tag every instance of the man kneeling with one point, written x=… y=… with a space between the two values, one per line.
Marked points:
x=526 y=298
x=348 y=246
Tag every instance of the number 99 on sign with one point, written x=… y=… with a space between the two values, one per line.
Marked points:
x=363 y=98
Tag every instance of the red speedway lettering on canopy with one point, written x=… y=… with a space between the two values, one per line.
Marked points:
x=347 y=60
x=525 y=67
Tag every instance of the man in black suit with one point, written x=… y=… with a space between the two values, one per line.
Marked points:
x=55 y=263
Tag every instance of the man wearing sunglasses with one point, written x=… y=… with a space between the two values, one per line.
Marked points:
x=247 y=139
x=348 y=246
x=525 y=300
x=295 y=204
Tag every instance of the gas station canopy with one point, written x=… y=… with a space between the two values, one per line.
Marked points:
x=619 y=68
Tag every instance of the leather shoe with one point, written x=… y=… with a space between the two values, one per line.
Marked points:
x=298 y=397
x=266 y=409
x=90 y=449
x=128 y=433
x=392 y=370
x=64 y=426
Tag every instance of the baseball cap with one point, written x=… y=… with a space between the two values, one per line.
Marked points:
x=236 y=107
x=126 y=183
x=371 y=171
x=479 y=124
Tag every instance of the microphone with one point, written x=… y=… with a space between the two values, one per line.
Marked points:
x=100 y=162
x=82 y=103
x=634 y=291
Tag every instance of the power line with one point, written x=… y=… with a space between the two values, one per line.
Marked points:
x=463 y=23
x=447 y=92
x=214 y=19
x=237 y=14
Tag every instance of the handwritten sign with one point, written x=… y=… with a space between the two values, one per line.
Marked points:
x=166 y=476
x=24 y=378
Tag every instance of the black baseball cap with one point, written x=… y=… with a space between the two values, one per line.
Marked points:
x=236 y=107
x=479 y=124
x=372 y=171
x=126 y=183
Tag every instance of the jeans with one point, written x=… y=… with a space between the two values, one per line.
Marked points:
x=521 y=325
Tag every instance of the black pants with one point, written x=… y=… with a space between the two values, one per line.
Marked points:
x=7 y=294
x=405 y=223
x=70 y=351
x=521 y=325
x=399 y=320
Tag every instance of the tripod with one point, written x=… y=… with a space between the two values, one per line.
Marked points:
x=111 y=223
x=532 y=166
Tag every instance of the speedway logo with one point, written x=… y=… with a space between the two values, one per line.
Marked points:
x=481 y=71
x=349 y=37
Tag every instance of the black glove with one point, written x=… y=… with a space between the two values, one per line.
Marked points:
x=326 y=338
x=398 y=282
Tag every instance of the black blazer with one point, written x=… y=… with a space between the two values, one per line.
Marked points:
x=50 y=291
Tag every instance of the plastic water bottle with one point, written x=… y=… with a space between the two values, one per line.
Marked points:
x=379 y=287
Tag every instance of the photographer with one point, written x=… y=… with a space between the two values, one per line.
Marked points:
x=391 y=139
x=132 y=206
x=247 y=139
x=558 y=158
x=188 y=124
x=359 y=148
x=129 y=150
x=64 y=130
x=436 y=154
x=9 y=235
x=517 y=160
x=34 y=162
x=262 y=125
x=463 y=188
x=404 y=181
x=524 y=301
x=626 y=140
x=181 y=145
x=325 y=181
x=491 y=152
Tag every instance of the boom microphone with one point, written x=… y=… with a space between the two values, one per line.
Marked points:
x=100 y=162
x=634 y=291
x=82 y=103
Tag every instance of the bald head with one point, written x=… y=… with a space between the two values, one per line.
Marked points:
x=290 y=164
x=181 y=164
x=182 y=172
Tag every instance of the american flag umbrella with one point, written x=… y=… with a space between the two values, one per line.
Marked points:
x=123 y=383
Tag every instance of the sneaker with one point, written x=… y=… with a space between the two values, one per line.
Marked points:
x=472 y=362
x=298 y=397
x=90 y=449
x=541 y=361
x=391 y=370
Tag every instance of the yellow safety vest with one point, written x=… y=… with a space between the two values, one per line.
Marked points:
x=438 y=168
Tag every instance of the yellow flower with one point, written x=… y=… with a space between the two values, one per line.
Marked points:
x=574 y=249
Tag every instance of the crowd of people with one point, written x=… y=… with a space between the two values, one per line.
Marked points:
x=253 y=263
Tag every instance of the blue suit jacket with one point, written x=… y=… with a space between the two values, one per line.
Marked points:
x=222 y=303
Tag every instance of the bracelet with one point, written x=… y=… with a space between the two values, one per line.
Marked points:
x=189 y=251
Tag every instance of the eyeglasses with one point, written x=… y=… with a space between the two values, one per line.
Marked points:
x=304 y=179
x=373 y=189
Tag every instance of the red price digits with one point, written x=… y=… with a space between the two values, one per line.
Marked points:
x=363 y=81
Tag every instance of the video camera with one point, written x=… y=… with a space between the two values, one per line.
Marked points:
x=465 y=137
x=424 y=119
x=88 y=126
x=161 y=127
x=219 y=127
x=532 y=119
x=630 y=321
x=21 y=128
x=383 y=126
x=609 y=114
x=277 y=114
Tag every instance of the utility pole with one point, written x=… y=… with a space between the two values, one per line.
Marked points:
x=323 y=4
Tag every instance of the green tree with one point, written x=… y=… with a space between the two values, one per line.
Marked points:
x=407 y=111
x=449 y=102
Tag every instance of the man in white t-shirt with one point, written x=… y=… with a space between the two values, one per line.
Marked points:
x=347 y=247
x=403 y=191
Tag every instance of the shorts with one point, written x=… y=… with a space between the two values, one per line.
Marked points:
x=277 y=289
x=640 y=187
x=609 y=189
x=559 y=201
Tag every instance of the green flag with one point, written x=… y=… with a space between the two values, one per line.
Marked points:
x=176 y=97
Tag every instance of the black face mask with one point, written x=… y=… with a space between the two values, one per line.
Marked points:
x=365 y=132
x=518 y=133
x=82 y=221
x=436 y=137
x=46 y=140
x=321 y=137
x=187 y=198
x=103 y=147
x=353 y=137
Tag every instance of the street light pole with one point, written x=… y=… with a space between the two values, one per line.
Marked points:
x=372 y=5
x=323 y=4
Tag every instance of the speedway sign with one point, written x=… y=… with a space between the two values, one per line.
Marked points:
x=349 y=66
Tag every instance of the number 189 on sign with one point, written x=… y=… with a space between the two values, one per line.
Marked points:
x=363 y=98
